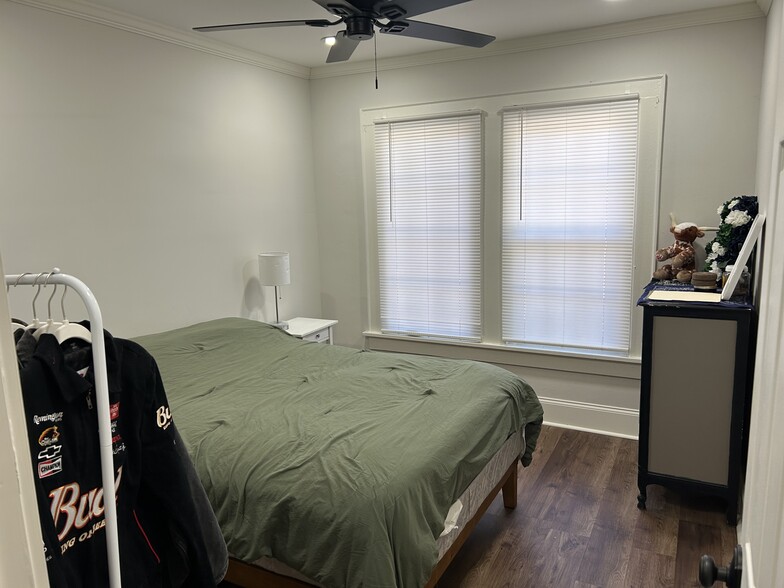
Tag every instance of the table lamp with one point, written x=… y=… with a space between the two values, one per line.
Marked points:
x=274 y=271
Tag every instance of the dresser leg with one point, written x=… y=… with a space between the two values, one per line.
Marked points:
x=732 y=516
x=642 y=497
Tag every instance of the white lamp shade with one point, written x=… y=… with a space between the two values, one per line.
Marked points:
x=274 y=268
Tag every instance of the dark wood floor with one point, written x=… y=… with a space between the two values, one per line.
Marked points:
x=577 y=525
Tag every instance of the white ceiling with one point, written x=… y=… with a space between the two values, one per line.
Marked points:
x=505 y=19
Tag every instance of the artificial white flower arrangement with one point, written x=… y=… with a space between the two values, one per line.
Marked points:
x=736 y=216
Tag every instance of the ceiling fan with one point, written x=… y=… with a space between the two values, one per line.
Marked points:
x=362 y=17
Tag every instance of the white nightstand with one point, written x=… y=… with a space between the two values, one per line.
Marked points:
x=311 y=329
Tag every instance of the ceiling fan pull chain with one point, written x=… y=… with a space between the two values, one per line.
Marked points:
x=375 y=58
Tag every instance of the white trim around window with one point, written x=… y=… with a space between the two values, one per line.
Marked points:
x=650 y=93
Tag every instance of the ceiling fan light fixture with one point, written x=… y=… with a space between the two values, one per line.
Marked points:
x=329 y=41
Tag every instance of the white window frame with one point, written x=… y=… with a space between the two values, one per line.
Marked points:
x=651 y=94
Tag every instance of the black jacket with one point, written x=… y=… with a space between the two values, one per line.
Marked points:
x=167 y=532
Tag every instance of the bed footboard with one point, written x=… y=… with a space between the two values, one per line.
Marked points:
x=249 y=576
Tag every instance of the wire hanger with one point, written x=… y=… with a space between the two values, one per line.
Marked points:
x=50 y=325
x=35 y=323
x=16 y=323
x=68 y=330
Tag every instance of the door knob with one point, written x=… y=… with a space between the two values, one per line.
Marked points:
x=710 y=573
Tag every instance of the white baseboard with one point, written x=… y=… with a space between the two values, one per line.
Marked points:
x=595 y=418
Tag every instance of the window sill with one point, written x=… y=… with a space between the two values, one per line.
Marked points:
x=512 y=355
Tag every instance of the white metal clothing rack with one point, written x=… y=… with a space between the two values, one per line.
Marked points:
x=102 y=398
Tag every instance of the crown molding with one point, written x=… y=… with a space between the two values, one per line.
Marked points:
x=765 y=5
x=122 y=21
x=125 y=22
x=743 y=11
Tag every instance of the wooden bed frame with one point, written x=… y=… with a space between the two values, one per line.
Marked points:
x=251 y=576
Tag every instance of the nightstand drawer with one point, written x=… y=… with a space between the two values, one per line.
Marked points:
x=321 y=336
x=310 y=329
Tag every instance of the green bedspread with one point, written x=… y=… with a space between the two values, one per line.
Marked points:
x=338 y=462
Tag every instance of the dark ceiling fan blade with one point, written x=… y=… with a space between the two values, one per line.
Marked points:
x=262 y=25
x=397 y=9
x=342 y=49
x=339 y=8
x=433 y=32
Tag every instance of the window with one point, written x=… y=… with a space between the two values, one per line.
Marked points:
x=515 y=226
x=428 y=187
x=569 y=187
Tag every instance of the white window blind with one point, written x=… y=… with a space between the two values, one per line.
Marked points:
x=569 y=183
x=429 y=188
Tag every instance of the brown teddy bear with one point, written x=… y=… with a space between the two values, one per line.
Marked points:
x=680 y=254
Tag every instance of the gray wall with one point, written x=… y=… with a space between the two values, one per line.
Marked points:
x=153 y=172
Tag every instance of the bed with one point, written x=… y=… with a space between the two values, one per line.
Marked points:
x=337 y=467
